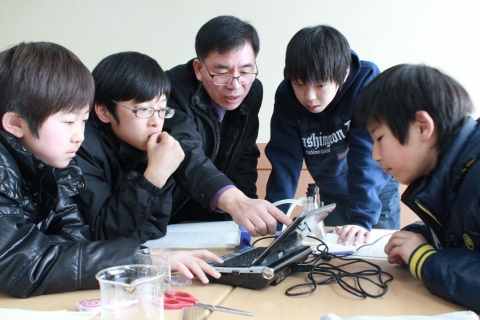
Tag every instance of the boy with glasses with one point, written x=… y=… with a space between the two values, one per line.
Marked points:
x=218 y=99
x=127 y=159
x=313 y=121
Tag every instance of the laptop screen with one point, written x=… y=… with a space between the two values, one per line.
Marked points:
x=289 y=240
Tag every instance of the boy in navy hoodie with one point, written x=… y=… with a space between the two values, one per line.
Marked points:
x=313 y=121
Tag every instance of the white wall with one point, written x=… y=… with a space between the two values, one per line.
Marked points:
x=440 y=33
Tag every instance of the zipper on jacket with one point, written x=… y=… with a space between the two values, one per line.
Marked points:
x=216 y=145
x=442 y=236
x=236 y=147
x=427 y=212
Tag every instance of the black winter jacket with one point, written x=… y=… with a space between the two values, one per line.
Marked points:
x=44 y=245
x=214 y=158
x=448 y=202
x=119 y=201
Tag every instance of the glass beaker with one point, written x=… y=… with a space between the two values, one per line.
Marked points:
x=131 y=292
x=159 y=257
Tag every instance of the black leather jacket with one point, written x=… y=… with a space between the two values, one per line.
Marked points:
x=214 y=158
x=44 y=245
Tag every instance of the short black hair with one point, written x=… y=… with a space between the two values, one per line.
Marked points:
x=223 y=34
x=318 y=54
x=128 y=76
x=40 y=79
x=394 y=97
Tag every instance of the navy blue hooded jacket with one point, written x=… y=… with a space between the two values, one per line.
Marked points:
x=337 y=153
x=448 y=202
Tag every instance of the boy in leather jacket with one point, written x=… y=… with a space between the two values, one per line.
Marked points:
x=419 y=119
x=45 y=245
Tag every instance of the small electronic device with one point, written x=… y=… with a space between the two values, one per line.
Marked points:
x=257 y=267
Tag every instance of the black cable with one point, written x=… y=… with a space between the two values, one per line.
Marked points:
x=263 y=238
x=331 y=274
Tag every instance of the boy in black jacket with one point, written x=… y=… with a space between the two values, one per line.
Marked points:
x=46 y=93
x=419 y=119
x=127 y=159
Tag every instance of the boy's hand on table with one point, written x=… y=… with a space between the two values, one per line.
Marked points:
x=401 y=246
x=348 y=232
x=190 y=261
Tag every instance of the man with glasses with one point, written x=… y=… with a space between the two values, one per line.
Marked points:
x=217 y=98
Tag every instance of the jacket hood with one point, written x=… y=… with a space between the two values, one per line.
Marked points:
x=355 y=66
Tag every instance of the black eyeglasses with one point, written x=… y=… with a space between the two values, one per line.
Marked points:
x=147 y=112
x=225 y=79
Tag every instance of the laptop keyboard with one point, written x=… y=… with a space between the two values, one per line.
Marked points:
x=244 y=259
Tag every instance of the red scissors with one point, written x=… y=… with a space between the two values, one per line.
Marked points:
x=181 y=299
x=178 y=300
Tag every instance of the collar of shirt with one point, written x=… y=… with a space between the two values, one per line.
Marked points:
x=219 y=111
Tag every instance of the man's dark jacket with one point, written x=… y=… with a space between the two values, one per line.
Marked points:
x=214 y=157
x=44 y=242
x=119 y=201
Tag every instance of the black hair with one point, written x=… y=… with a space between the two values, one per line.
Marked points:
x=223 y=34
x=318 y=54
x=39 y=79
x=394 y=97
x=128 y=76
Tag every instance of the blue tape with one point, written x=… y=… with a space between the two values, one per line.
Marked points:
x=245 y=238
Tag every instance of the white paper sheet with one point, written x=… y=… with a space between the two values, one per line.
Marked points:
x=375 y=249
x=221 y=234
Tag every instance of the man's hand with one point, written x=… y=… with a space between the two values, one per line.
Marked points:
x=401 y=246
x=164 y=155
x=191 y=261
x=259 y=217
x=348 y=232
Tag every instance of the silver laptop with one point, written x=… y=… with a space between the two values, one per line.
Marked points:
x=257 y=267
